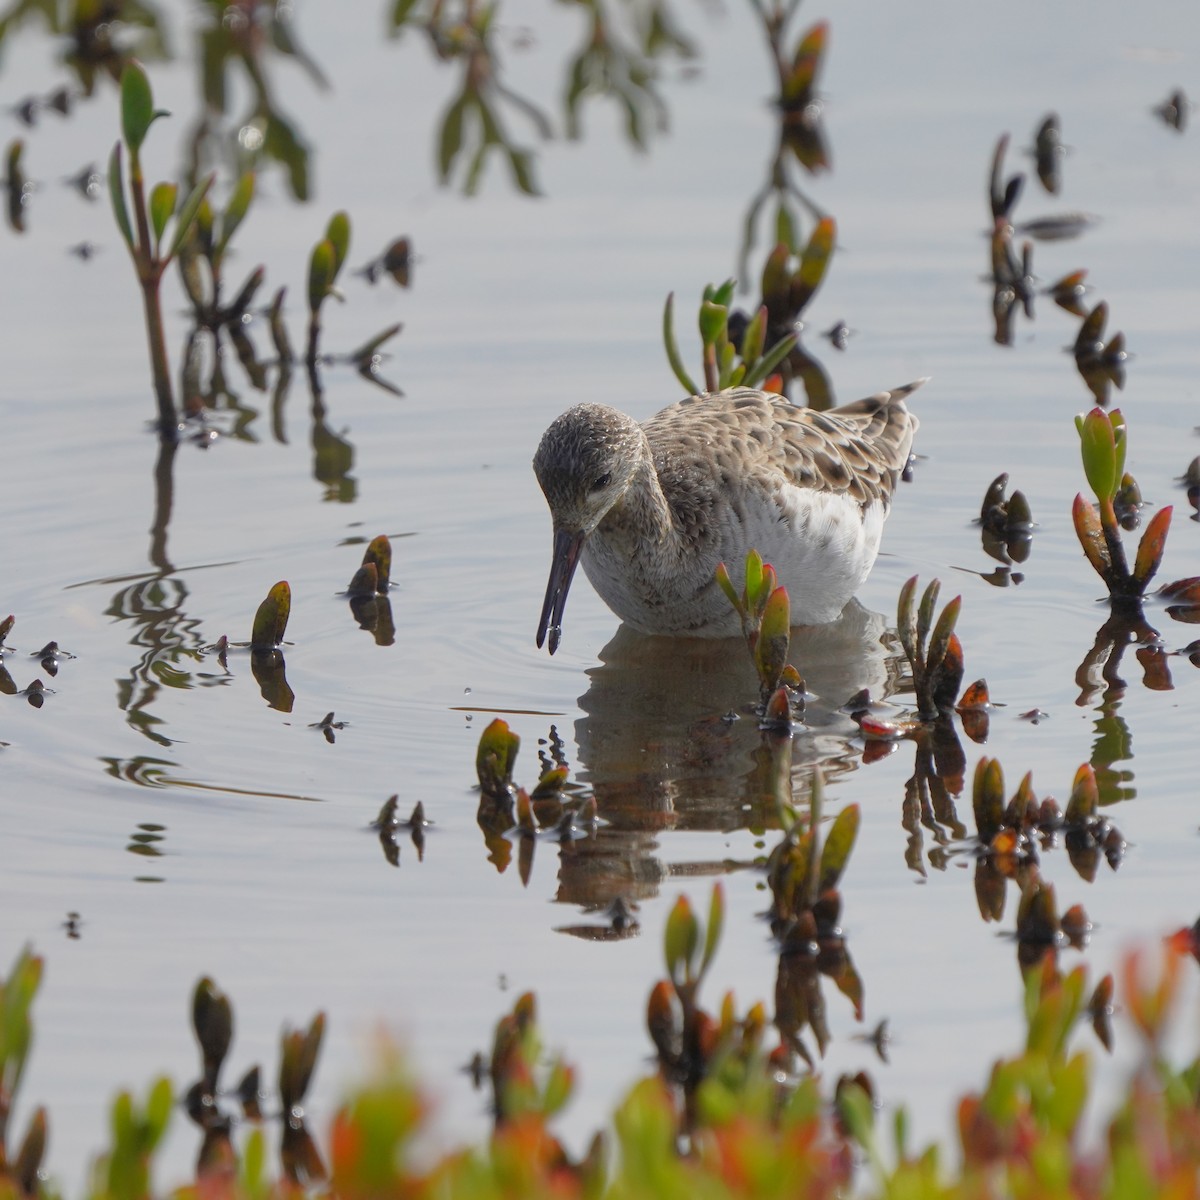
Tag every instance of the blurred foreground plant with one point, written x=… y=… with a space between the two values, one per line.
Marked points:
x=746 y=1130
x=19 y=1169
x=144 y=233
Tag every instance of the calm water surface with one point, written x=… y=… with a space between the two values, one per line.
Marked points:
x=197 y=830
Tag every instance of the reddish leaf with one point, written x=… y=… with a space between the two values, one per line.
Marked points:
x=1150 y=548
x=1091 y=537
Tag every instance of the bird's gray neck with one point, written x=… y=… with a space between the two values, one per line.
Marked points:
x=642 y=516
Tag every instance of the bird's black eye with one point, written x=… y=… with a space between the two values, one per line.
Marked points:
x=602 y=482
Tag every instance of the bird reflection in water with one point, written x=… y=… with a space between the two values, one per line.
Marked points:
x=669 y=741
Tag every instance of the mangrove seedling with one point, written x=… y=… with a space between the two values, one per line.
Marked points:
x=1010 y=833
x=495 y=758
x=144 y=234
x=494 y=761
x=324 y=264
x=270 y=621
x=936 y=658
x=1103 y=439
x=766 y=624
x=732 y=357
x=374 y=576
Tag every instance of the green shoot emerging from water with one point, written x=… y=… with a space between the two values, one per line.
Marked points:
x=145 y=232
x=1103 y=439
x=936 y=659
x=270 y=621
x=766 y=623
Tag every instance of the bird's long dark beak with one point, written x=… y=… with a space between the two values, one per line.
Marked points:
x=567 y=544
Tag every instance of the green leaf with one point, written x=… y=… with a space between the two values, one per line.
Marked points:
x=716 y=923
x=116 y=191
x=400 y=12
x=212 y=1020
x=158 y=1111
x=297 y=1060
x=726 y=585
x=713 y=318
x=672 y=348
x=1098 y=448
x=450 y=141
x=282 y=144
x=774 y=635
x=521 y=162
x=814 y=262
x=806 y=63
x=854 y=1107
x=28 y=1160
x=987 y=798
x=906 y=622
x=776 y=279
x=322 y=267
x=495 y=757
x=754 y=338
x=754 y=577
x=771 y=359
x=680 y=939
x=839 y=841
x=1085 y=796
x=162 y=206
x=1090 y=533
x=785 y=227
x=560 y=1083
x=137 y=106
x=270 y=621
x=187 y=214
x=379 y=552
x=1151 y=547
x=926 y=608
x=940 y=638
x=337 y=232
x=236 y=209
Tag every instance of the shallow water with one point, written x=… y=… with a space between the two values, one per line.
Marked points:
x=198 y=831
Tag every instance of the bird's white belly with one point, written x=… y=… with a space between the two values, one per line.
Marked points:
x=821 y=545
